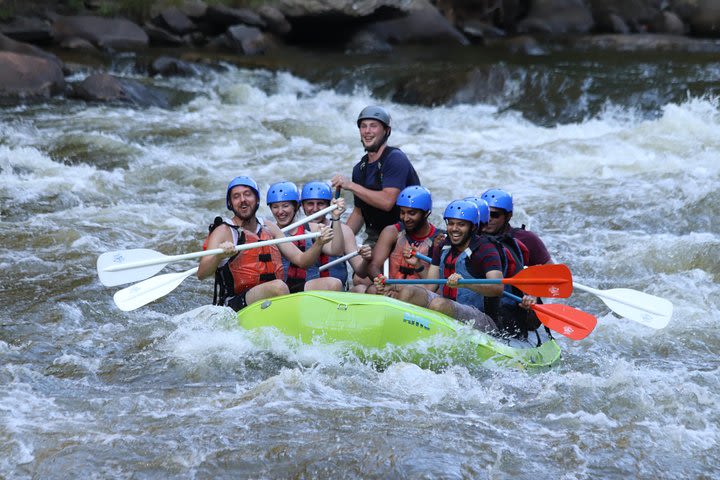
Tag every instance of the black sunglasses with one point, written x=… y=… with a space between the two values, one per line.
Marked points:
x=496 y=214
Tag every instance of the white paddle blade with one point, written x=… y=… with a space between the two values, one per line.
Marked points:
x=142 y=293
x=649 y=310
x=122 y=257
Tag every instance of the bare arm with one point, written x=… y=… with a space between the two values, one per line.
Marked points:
x=383 y=199
x=337 y=246
x=381 y=250
x=208 y=265
x=486 y=290
x=294 y=254
x=360 y=263
x=355 y=221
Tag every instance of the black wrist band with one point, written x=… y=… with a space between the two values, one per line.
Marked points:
x=420 y=268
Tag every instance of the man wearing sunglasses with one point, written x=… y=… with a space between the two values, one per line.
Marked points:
x=501 y=211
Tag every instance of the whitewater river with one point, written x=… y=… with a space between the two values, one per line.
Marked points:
x=626 y=194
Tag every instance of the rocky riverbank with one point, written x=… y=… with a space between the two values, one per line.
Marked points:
x=45 y=42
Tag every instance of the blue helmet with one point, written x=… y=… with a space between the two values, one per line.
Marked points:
x=498 y=199
x=463 y=210
x=415 y=196
x=483 y=208
x=245 y=181
x=316 y=191
x=282 y=192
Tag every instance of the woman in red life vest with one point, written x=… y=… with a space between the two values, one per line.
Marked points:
x=284 y=202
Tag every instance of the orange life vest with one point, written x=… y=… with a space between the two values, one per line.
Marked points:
x=399 y=268
x=247 y=268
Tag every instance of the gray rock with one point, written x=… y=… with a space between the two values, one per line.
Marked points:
x=226 y=16
x=174 y=67
x=27 y=76
x=175 y=21
x=102 y=87
x=418 y=26
x=702 y=16
x=248 y=40
x=113 y=33
x=160 y=36
x=557 y=17
x=9 y=45
x=27 y=29
x=667 y=22
x=275 y=20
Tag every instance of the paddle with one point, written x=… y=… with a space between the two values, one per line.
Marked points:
x=144 y=292
x=646 y=309
x=302 y=221
x=116 y=268
x=553 y=280
x=568 y=321
x=344 y=258
x=125 y=266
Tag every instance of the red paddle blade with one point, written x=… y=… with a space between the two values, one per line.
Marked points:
x=568 y=321
x=554 y=281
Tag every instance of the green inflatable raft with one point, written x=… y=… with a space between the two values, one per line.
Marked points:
x=377 y=323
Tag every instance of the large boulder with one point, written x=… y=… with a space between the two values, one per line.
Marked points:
x=418 y=26
x=702 y=16
x=174 y=20
x=636 y=15
x=102 y=87
x=247 y=40
x=110 y=33
x=226 y=16
x=557 y=17
x=27 y=76
x=484 y=18
x=27 y=29
x=9 y=45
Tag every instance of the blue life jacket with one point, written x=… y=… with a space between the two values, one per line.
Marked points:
x=449 y=266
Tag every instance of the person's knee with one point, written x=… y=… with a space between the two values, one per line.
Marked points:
x=278 y=287
x=330 y=283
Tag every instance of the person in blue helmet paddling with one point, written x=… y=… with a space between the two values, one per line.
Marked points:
x=378 y=178
x=283 y=199
x=316 y=196
x=413 y=233
x=514 y=319
x=463 y=254
x=244 y=277
x=500 y=203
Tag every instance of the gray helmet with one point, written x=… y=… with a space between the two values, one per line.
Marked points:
x=375 y=113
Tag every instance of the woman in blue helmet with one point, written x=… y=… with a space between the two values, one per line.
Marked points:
x=463 y=254
x=283 y=199
x=242 y=278
x=413 y=233
x=316 y=196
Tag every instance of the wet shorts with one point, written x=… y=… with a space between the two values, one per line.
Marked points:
x=238 y=302
x=467 y=314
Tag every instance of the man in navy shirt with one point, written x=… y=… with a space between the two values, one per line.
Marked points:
x=378 y=177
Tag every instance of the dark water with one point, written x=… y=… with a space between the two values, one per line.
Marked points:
x=612 y=158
